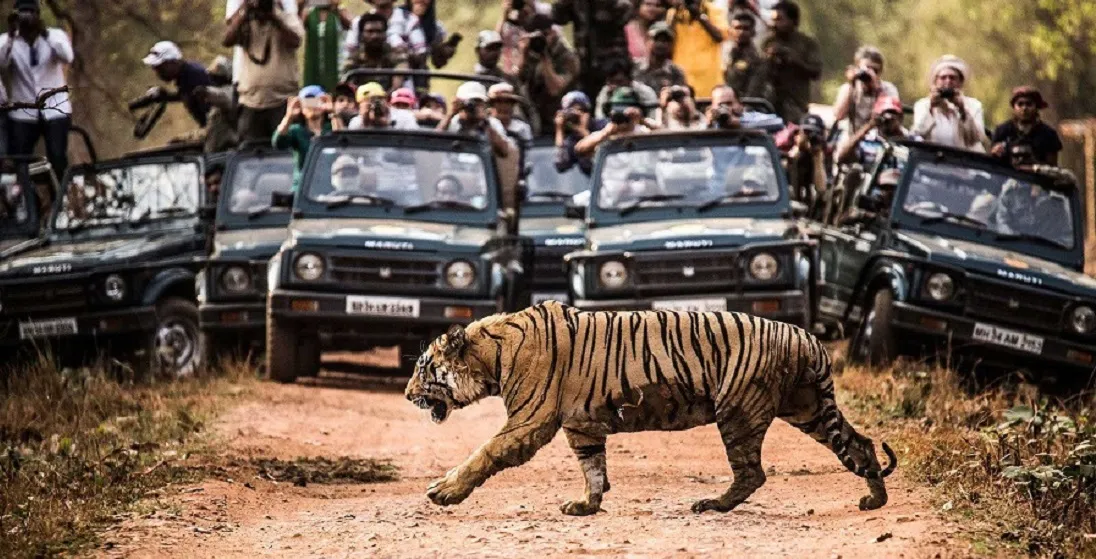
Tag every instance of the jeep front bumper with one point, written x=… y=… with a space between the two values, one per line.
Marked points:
x=103 y=324
x=786 y=306
x=237 y=317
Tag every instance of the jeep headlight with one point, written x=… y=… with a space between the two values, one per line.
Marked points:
x=764 y=266
x=460 y=274
x=1083 y=319
x=236 y=279
x=308 y=267
x=114 y=287
x=940 y=286
x=613 y=274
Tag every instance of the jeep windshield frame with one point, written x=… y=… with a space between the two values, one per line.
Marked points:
x=774 y=203
x=954 y=223
x=132 y=219
x=544 y=178
x=252 y=169
x=313 y=203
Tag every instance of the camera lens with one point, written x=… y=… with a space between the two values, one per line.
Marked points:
x=618 y=116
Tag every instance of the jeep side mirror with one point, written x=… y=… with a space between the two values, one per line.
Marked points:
x=574 y=212
x=281 y=199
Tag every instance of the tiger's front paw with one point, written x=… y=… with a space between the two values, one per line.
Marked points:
x=448 y=490
x=578 y=508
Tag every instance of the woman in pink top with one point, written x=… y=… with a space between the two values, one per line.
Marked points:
x=649 y=12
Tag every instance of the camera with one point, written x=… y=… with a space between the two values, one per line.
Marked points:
x=378 y=107
x=678 y=93
x=454 y=39
x=723 y=117
x=537 y=42
x=1022 y=155
x=572 y=118
x=863 y=75
x=946 y=93
x=472 y=109
x=151 y=97
x=887 y=118
x=261 y=9
x=619 y=116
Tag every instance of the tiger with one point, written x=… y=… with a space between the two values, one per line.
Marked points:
x=598 y=373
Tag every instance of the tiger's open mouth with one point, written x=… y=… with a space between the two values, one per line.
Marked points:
x=439 y=409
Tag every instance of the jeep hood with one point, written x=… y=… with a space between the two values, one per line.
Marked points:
x=57 y=257
x=387 y=234
x=998 y=263
x=688 y=234
x=248 y=243
x=553 y=231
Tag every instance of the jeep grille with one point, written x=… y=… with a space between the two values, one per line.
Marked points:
x=43 y=298
x=1011 y=305
x=674 y=271
x=355 y=270
x=548 y=270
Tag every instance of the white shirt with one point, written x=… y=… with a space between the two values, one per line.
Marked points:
x=944 y=127
x=398 y=119
x=27 y=81
x=288 y=6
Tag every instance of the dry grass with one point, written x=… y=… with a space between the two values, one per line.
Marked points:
x=1022 y=466
x=77 y=447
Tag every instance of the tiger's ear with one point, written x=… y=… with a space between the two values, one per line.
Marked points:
x=455 y=341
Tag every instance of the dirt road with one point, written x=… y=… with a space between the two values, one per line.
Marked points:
x=807 y=508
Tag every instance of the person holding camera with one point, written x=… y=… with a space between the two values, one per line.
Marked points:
x=946 y=116
x=573 y=123
x=502 y=101
x=309 y=114
x=742 y=63
x=807 y=160
x=679 y=110
x=856 y=98
x=598 y=33
x=440 y=44
x=373 y=109
x=1027 y=129
x=618 y=73
x=488 y=54
x=625 y=119
x=268 y=77
x=36 y=57
x=231 y=9
x=657 y=71
x=726 y=112
x=547 y=70
x=373 y=51
x=700 y=27
x=190 y=79
x=325 y=22
x=792 y=61
x=468 y=115
x=885 y=124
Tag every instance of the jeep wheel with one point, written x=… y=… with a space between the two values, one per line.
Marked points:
x=174 y=347
x=874 y=343
x=289 y=354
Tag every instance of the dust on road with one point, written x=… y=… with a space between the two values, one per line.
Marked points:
x=808 y=508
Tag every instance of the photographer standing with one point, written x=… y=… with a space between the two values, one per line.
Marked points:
x=792 y=61
x=657 y=71
x=599 y=34
x=36 y=57
x=573 y=123
x=324 y=25
x=548 y=69
x=488 y=55
x=700 y=27
x=468 y=115
x=946 y=116
x=268 y=75
x=863 y=86
x=742 y=67
x=190 y=78
x=1027 y=129
x=231 y=9
x=373 y=51
x=884 y=124
x=807 y=160
x=311 y=113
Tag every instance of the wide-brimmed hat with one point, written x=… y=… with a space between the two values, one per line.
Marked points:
x=1030 y=93
x=949 y=61
x=501 y=92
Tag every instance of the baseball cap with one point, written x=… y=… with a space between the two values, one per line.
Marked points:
x=403 y=95
x=575 y=98
x=624 y=96
x=812 y=122
x=488 y=37
x=161 y=52
x=886 y=103
x=469 y=91
x=310 y=91
x=435 y=97
x=1030 y=93
x=660 y=28
x=502 y=91
x=371 y=89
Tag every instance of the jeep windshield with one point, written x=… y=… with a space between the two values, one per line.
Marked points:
x=545 y=183
x=401 y=180
x=127 y=197
x=252 y=182
x=998 y=207
x=716 y=175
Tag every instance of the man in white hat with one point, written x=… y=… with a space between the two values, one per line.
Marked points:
x=190 y=78
x=503 y=101
x=468 y=115
x=946 y=116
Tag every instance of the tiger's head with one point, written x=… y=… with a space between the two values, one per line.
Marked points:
x=450 y=375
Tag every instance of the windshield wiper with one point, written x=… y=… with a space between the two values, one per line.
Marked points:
x=552 y=194
x=649 y=198
x=439 y=205
x=719 y=201
x=347 y=198
x=957 y=217
x=1030 y=237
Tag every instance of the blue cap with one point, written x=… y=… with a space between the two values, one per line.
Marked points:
x=575 y=98
x=310 y=91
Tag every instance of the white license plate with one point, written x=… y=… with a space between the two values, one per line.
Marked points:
x=1008 y=338
x=382 y=306
x=47 y=328
x=539 y=298
x=691 y=305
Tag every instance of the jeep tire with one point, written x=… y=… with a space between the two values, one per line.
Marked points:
x=290 y=355
x=172 y=349
x=874 y=344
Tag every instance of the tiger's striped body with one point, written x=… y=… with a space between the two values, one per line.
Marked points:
x=597 y=373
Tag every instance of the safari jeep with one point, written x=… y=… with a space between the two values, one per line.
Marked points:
x=249 y=229
x=693 y=221
x=117 y=265
x=967 y=253
x=395 y=236
x=550 y=219
x=27 y=185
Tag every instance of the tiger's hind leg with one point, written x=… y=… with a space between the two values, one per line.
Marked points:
x=590 y=451
x=742 y=435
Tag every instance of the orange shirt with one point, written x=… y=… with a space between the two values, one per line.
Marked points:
x=694 y=50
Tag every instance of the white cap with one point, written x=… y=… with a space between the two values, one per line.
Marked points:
x=161 y=52
x=469 y=91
